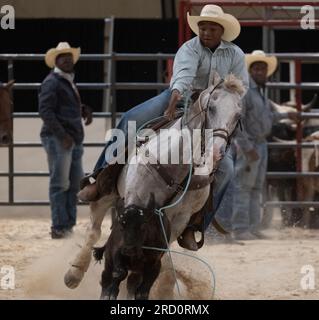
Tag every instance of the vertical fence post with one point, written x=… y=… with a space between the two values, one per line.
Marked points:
x=11 y=145
x=108 y=48
x=113 y=89
x=181 y=23
x=188 y=32
x=292 y=79
x=159 y=72
x=299 y=126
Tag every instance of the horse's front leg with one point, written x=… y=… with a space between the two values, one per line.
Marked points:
x=81 y=263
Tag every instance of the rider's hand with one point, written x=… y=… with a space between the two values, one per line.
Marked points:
x=170 y=111
x=67 y=141
x=86 y=112
x=252 y=155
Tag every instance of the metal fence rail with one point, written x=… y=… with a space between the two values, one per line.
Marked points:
x=114 y=85
x=11 y=174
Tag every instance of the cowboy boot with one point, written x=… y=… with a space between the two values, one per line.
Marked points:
x=105 y=183
x=88 y=191
x=86 y=180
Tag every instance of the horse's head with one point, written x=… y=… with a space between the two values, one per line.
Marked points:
x=5 y=114
x=222 y=104
x=133 y=222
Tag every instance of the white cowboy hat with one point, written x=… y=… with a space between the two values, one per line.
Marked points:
x=62 y=47
x=260 y=56
x=213 y=13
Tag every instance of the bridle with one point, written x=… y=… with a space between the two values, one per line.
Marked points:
x=219 y=132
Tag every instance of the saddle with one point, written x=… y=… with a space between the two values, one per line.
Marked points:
x=159 y=123
x=106 y=178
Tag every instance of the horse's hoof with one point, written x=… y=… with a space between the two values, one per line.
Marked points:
x=73 y=277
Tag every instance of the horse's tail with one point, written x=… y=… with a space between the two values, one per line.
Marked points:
x=98 y=253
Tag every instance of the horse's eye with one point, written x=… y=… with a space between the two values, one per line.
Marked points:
x=215 y=96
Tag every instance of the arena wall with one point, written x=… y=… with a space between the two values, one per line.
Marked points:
x=95 y=9
x=86 y=9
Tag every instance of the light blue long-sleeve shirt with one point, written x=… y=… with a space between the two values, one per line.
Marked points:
x=257 y=118
x=194 y=63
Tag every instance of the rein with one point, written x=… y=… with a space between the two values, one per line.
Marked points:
x=205 y=109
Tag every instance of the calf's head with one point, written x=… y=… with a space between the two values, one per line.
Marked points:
x=134 y=225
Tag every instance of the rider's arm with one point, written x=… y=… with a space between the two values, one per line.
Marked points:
x=184 y=71
x=185 y=68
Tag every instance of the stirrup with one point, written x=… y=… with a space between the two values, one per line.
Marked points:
x=185 y=243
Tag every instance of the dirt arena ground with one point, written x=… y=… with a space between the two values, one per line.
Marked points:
x=260 y=269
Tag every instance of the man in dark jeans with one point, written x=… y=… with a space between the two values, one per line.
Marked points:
x=62 y=135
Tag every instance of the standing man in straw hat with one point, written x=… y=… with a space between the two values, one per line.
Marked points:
x=252 y=155
x=62 y=135
x=211 y=50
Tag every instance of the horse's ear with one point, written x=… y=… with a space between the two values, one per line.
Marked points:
x=120 y=205
x=214 y=79
x=151 y=202
x=9 y=85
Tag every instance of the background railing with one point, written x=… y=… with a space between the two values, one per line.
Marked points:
x=296 y=58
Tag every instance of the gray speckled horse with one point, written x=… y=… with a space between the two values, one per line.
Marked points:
x=217 y=110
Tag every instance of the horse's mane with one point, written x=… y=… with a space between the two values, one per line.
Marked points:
x=234 y=84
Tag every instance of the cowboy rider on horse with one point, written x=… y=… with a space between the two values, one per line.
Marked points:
x=211 y=50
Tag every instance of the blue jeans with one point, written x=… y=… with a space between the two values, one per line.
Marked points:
x=223 y=177
x=249 y=181
x=65 y=167
x=141 y=113
x=224 y=211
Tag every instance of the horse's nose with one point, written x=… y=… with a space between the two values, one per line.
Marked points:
x=5 y=139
